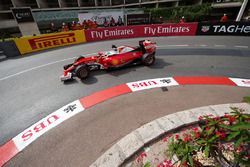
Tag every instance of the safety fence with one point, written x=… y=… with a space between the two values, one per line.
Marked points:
x=47 y=41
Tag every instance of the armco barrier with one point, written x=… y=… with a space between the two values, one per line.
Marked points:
x=9 y=49
x=228 y=28
x=47 y=41
x=43 y=42
x=186 y=29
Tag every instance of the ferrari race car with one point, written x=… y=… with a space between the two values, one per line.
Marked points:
x=117 y=57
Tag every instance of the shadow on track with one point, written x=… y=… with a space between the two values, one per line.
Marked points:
x=90 y=80
x=69 y=82
x=160 y=64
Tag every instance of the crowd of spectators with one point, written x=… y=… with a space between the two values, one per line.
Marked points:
x=86 y=24
x=89 y=24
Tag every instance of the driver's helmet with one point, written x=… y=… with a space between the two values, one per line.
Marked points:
x=147 y=42
x=114 y=47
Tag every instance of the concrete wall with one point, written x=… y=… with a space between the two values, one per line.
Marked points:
x=29 y=28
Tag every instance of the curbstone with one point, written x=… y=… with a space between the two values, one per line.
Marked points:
x=201 y=111
x=111 y=158
x=175 y=119
x=244 y=106
x=187 y=117
x=167 y=124
x=130 y=144
x=220 y=110
x=225 y=108
x=149 y=131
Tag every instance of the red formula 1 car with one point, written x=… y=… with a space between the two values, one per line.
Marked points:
x=117 y=57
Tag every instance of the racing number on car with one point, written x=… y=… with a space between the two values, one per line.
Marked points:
x=70 y=108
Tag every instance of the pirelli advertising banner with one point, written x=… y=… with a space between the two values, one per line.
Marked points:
x=228 y=28
x=186 y=29
x=47 y=41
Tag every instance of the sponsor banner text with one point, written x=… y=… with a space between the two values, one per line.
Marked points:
x=188 y=29
x=241 y=82
x=42 y=42
x=32 y=133
x=228 y=28
x=151 y=83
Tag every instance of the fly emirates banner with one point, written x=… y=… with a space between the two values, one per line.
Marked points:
x=186 y=29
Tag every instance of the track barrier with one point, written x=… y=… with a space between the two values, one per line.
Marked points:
x=47 y=41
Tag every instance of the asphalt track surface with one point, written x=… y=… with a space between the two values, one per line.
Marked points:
x=30 y=86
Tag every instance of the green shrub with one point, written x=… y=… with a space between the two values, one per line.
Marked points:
x=191 y=13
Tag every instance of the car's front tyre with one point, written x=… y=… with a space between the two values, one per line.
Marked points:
x=82 y=71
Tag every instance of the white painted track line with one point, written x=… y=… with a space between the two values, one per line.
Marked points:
x=220 y=45
x=239 y=46
x=34 y=68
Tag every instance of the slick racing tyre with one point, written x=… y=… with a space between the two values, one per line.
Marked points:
x=148 y=59
x=82 y=71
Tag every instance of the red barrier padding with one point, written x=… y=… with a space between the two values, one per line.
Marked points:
x=7 y=151
x=204 y=80
x=152 y=30
x=103 y=95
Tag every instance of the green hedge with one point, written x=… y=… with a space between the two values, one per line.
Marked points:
x=191 y=13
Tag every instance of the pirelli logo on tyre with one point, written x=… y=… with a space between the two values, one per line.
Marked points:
x=42 y=42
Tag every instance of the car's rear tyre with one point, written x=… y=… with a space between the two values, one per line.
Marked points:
x=82 y=71
x=67 y=66
x=148 y=59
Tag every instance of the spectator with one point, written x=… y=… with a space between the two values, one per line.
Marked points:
x=153 y=20
x=105 y=22
x=89 y=23
x=224 y=18
x=73 y=25
x=78 y=26
x=52 y=27
x=182 y=20
x=85 y=24
x=95 y=24
x=112 y=22
x=65 y=27
x=119 y=21
x=69 y=26
x=161 y=19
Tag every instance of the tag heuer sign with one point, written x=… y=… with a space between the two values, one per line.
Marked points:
x=23 y=14
x=205 y=28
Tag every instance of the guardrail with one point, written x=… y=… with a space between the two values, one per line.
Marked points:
x=47 y=41
x=9 y=49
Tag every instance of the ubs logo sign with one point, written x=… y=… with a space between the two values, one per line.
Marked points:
x=22 y=15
